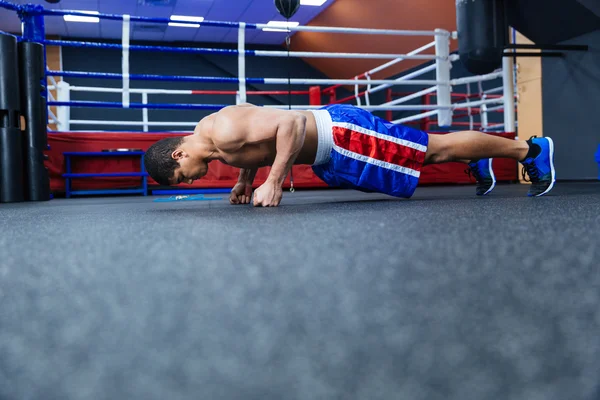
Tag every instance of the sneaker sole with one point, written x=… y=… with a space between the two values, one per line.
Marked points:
x=493 y=178
x=551 y=145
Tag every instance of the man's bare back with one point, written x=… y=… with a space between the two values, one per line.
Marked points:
x=245 y=136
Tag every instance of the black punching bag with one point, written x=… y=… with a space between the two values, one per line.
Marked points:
x=33 y=108
x=482 y=34
x=287 y=8
x=11 y=160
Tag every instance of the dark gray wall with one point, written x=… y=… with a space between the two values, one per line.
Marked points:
x=571 y=106
x=104 y=60
x=552 y=21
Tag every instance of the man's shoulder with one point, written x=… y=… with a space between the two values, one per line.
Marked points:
x=235 y=115
x=237 y=108
x=228 y=125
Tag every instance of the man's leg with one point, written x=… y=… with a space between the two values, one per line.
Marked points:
x=468 y=146
x=477 y=148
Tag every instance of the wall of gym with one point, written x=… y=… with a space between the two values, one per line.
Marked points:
x=386 y=14
x=570 y=94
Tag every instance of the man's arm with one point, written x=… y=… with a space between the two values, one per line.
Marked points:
x=242 y=191
x=289 y=140
x=236 y=128
x=247 y=175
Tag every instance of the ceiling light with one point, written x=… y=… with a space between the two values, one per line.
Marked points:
x=183 y=19
x=79 y=18
x=186 y=18
x=279 y=26
x=282 y=24
x=312 y=2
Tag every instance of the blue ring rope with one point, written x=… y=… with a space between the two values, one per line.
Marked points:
x=157 y=106
x=11 y=6
x=79 y=44
x=145 y=77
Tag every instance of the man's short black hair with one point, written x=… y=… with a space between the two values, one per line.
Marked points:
x=158 y=161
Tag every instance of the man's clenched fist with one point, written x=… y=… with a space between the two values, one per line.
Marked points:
x=241 y=193
x=268 y=194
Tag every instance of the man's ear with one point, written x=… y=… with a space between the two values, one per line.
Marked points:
x=178 y=155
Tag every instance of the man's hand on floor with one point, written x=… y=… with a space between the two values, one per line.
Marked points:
x=268 y=194
x=241 y=193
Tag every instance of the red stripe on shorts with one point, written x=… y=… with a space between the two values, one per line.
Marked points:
x=380 y=149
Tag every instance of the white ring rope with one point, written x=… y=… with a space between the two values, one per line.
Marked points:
x=415 y=117
x=491 y=109
x=351 y=82
x=414 y=74
x=397 y=60
x=362 y=31
x=52 y=118
x=411 y=96
x=356 y=93
x=479 y=78
x=494 y=90
x=318 y=54
x=130 y=123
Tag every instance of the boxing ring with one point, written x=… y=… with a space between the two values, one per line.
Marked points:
x=439 y=104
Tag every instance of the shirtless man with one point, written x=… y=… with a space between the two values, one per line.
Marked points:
x=346 y=146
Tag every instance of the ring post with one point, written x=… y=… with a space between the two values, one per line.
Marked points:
x=11 y=159
x=241 y=96
x=509 y=94
x=484 y=117
x=314 y=95
x=63 y=113
x=367 y=98
x=356 y=93
x=443 y=65
x=34 y=110
x=33 y=27
x=145 y=111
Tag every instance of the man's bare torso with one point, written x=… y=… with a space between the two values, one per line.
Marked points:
x=258 y=125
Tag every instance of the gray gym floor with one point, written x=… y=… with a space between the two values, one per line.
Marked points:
x=333 y=295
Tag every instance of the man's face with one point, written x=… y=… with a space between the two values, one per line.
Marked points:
x=189 y=169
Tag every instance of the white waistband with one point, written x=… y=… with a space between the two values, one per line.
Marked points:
x=325 y=136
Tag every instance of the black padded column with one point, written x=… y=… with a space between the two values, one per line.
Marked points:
x=33 y=108
x=11 y=161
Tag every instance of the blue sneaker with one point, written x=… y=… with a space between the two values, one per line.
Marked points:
x=541 y=168
x=484 y=174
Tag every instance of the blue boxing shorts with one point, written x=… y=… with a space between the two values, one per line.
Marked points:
x=357 y=150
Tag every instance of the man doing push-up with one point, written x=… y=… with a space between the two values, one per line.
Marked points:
x=347 y=147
